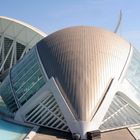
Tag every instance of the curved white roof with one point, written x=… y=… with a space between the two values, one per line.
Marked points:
x=23 y=32
x=16 y=39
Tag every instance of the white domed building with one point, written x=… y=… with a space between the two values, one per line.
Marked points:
x=76 y=80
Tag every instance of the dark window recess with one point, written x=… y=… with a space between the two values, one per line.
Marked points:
x=20 y=49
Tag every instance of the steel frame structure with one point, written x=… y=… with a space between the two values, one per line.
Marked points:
x=16 y=39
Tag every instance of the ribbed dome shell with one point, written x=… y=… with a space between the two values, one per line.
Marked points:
x=83 y=60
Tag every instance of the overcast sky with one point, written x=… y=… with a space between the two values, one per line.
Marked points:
x=52 y=15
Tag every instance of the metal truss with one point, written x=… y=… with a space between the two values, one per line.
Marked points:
x=10 y=52
x=16 y=39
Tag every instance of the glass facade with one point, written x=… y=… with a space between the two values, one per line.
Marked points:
x=133 y=71
x=131 y=81
x=7 y=95
x=26 y=79
x=7 y=46
x=120 y=113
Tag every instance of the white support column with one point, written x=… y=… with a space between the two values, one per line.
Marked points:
x=24 y=52
x=13 y=53
x=1 y=43
x=69 y=117
x=3 y=35
x=32 y=102
x=15 y=45
x=50 y=86
x=2 y=46
x=2 y=52
x=101 y=112
x=76 y=126
x=3 y=63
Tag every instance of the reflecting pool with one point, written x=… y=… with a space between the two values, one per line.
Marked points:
x=11 y=131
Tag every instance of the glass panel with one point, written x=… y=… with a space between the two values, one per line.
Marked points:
x=133 y=72
x=125 y=115
x=7 y=46
x=20 y=49
x=27 y=77
x=131 y=82
x=7 y=95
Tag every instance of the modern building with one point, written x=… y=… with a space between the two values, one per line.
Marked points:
x=16 y=39
x=77 y=80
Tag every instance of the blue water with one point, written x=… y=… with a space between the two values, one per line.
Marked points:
x=10 y=131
